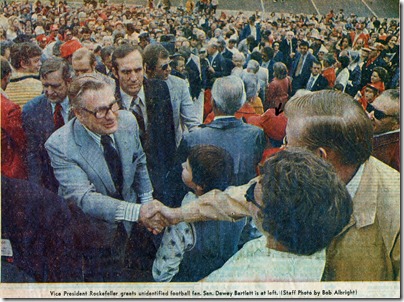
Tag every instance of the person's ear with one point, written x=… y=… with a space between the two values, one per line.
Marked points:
x=115 y=72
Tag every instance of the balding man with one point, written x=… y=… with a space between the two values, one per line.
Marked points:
x=83 y=61
x=385 y=115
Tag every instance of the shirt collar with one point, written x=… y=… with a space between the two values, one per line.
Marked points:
x=64 y=104
x=97 y=137
x=223 y=117
x=127 y=99
x=4 y=93
x=364 y=209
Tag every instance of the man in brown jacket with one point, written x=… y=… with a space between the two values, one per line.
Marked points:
x=336 y=128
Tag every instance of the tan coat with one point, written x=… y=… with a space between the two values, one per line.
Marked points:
x=368 y=249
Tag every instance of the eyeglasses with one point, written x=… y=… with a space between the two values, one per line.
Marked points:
x=379 y=115
x=165 y=66
x=101 y=112
x=250 y=197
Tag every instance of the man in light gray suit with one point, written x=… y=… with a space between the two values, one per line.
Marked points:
x=99 y=162
x=156 y=60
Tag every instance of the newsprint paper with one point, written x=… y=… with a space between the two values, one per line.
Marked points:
x=271 y=9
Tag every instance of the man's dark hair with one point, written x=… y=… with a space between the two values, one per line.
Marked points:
x=152 y=53
x=256 y=55
x=106 y=52
x=344 y=60
x=54 y=64
x=305 y=204
x=22 y=52
x=4 y=45
x=5 y=68
x=304 y=43
x=269 y=52
x=121 y=52
x=212 y=167
x=333 y=120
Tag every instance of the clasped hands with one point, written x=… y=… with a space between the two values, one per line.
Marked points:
x=155 y=216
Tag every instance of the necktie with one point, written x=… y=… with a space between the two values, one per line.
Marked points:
x=113 y=161
x=137 y=111
x=310 y=83
x=299 y=66
x=57 y=117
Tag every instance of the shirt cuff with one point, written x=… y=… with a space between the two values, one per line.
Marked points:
x=127 y=211
x=146 y=197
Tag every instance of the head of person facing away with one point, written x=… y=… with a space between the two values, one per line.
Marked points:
x=93 y=102
x=332 y=125
x=300 y=203
x=384 y=112
x=228 y=95
x=208 y=167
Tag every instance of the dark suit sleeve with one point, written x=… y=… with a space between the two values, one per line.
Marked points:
x=33 y=145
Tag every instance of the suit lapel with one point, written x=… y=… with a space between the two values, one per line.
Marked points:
x=94 y=156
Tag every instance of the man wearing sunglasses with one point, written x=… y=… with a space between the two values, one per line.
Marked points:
x=336 y=128
x=100 y=165
x=157 y=66
x=385 y=115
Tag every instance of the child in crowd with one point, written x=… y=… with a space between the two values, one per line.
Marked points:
x=190 y=252
x=370 y=93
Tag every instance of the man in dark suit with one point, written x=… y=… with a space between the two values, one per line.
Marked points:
x=301 y=67
x=149 y=100
x=268 y=62
x=101 y=167
x=217 y=64
x=288 y=48
x=43 y=115
x=316 y=81
x=227 y=55
x=37 y=227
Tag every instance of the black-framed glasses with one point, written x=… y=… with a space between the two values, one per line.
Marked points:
x=250 y=197
x=378 y=114
x=101 y=112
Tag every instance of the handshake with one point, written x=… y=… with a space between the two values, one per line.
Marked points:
x=155 y=216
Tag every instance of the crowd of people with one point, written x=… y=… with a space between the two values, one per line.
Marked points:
x=184 y=143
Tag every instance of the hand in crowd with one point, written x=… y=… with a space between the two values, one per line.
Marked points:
x=151 y=217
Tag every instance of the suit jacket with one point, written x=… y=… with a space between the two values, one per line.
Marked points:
x=284 y=47
x=183 y=107
x=37 y=120
x=244 y=142
x=83 y=174
x=368 y=248
x=159 y=140
x=320 y=84
x=300 y=81
x=39 y=225
x=195 y=78
x=13 y=142
x=219 y=65
x=270 y=70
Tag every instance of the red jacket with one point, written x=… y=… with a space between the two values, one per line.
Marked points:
x=13 y=142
